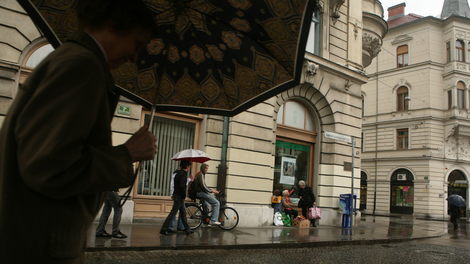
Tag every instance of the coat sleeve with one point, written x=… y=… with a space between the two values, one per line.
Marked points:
x=52 y=132
x=312 y=194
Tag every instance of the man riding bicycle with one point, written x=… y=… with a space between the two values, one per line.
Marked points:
x=203 y=193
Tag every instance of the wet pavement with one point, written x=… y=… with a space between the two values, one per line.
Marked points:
x=371 y=230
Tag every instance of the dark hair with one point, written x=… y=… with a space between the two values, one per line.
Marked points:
x=124 y=14
x=184 y=164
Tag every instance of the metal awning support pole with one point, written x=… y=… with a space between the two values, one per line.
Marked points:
x=222 y=168
x=353 y=142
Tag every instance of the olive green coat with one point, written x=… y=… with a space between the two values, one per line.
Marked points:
x=56 y=158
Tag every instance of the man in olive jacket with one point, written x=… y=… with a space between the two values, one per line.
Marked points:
x=57 y=161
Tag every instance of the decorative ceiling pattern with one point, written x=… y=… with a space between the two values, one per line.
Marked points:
x=209 y=53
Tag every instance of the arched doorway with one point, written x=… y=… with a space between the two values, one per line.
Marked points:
x=402 y=192
x=363 y=205
x=457 y=184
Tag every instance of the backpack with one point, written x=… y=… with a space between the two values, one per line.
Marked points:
x=192 y=191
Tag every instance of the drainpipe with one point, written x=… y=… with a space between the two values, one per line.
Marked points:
x=222 y=168
x=376 y=132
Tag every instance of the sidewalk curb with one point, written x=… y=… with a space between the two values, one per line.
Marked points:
x=262 y=246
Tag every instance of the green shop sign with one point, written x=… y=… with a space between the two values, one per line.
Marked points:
x=124 y=110
x=289 y=145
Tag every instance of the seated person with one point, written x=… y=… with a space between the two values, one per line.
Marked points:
x=287 y=206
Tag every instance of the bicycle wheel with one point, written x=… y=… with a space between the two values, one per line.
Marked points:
x=193 y=216
x=228 y=218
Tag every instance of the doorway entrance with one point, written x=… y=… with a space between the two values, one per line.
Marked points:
x=457 y=184
x=402 y=192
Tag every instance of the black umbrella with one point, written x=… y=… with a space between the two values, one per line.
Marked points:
x=456 y=200
x=212 y=56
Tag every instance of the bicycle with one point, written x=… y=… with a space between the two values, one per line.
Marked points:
x=195 y=215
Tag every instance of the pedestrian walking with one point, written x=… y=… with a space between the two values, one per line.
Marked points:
x=111 y=203
x=179 y=194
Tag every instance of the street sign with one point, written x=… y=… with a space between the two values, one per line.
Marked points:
x=124 y=110
x=338 y=136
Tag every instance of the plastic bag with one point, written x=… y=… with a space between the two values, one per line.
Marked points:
x=314 y=213
x=286 y=219
x=278 y=219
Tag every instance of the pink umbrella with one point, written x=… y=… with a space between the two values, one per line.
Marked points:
x=193 y=155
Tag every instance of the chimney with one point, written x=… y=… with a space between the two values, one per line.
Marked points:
x=396 y=11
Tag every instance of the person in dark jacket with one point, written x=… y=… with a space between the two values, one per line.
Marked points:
x=454 y=215
x=179 y=194
x=57 y=158
x=307 y=200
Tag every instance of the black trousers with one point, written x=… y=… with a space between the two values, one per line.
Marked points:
x=292 y=213
x=454 y=217
x=178 y=204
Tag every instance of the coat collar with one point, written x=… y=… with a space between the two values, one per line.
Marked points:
x=90 y=44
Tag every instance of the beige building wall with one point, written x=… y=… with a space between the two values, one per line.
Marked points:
x=330 y=88
x=334 y=97
x=428 y=77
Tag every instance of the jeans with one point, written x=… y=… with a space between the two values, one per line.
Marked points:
x=112 y=201
x=215 y=204
x=277 y=207
x=178 y=204
x=172 y=224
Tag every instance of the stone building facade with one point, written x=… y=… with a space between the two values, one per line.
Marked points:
x=416 y=114
x=271 y=145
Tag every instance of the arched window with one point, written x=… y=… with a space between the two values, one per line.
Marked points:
x=38 y=55
x=402 y=56
x=402 y=104
x=460 y=95
x=296 y=115
x=295 y=144
x=459 y=46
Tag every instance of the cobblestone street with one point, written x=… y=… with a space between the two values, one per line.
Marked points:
x=407 y=252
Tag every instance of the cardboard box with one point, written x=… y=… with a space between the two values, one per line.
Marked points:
x=301 y=224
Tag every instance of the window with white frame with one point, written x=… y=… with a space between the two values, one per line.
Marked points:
x=402 y=103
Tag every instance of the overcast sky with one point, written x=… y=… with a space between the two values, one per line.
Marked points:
x=419 y=7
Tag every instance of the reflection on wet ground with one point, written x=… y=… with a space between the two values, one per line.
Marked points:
x=371 y=228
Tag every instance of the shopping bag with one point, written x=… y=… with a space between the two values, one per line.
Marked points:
x=278 y=219
x=286 y=219
x=314 y=213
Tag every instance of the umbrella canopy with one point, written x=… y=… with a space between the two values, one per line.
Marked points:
x=212 y=56
x=193 y=155
x=456 y=200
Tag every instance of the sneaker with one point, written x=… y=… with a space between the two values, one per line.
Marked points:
x=103 y=234
x=172 y=231
x=215 y=223
x=164 y=232
x=206 y=225
x=189 y=232
x=119 y=235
